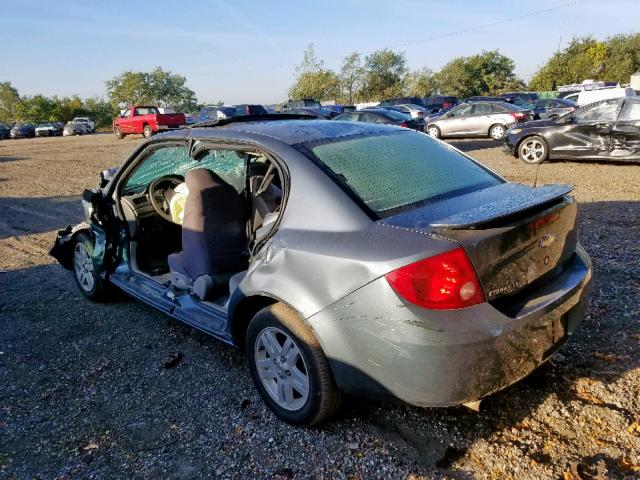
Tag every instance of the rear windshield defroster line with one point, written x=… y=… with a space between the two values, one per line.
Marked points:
x=387 y=173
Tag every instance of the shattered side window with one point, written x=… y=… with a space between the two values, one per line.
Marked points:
x=175 y=160
x=631 y=112
x=395 y=172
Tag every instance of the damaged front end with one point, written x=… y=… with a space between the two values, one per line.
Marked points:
x=62 y=249
x=92 y=205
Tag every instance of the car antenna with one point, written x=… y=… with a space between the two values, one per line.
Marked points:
x=535 y=181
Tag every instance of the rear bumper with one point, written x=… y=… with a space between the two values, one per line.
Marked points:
x=378 y=346
x=169 y=127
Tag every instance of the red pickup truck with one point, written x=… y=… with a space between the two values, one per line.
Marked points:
x=146 y=120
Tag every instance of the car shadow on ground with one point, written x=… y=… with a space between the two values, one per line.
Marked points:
x=65 y=356
x=10 y=158
x=468 y=145
x=26 y=216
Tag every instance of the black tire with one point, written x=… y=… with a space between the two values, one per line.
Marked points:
x=533 y=150
x=147 y=131
x=118 y=133
x=324 y=397
x=433 y=131
x=96 y=289
x=494 y=131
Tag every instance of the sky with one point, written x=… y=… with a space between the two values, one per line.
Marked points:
x=246 y=51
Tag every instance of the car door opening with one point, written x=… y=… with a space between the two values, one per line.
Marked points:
x=193 y=221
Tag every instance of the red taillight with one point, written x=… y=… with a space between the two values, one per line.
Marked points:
x=444 y=282
x=404 y=124
x=518 y=115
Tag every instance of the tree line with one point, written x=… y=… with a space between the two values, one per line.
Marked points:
x=158 y=87
x=385 y=73
x=360 y=78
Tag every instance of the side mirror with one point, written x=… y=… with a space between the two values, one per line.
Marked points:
x=106 y=176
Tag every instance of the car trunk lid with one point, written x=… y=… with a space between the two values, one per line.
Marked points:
x=513 y=234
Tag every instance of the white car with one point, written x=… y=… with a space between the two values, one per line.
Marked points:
x=86 y=120
x=591 y=96
x=416 y=111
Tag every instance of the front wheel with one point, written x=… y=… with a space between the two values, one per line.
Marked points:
x=433 y=131
x=84 y=270
x=289 y=368
x=533 y=150
x=118 y=133
x=147 y=131
x=497 y=132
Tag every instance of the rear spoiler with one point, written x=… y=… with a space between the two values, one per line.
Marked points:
x=515 y=199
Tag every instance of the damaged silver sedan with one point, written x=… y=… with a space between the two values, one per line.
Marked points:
x=343 y=258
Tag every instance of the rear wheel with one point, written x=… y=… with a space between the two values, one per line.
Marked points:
x=118 y=133
x=147 y=131
x=289 y=368
x=533 y=150
x=497 y=131
x=433 y=131
x=84 y=271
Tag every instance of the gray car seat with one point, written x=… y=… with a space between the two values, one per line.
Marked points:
x=214 y=240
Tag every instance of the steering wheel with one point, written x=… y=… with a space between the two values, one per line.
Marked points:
x=158 y=190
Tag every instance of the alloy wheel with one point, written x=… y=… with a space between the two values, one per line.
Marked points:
x=532 y=151
x=83 y=267
x=433 y=132
x=281 y=368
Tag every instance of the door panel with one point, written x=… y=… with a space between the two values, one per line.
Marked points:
x=454 y=123
x=587 y=135
x=626 y=133
x=479 y=121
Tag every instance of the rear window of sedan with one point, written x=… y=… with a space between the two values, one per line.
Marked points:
x=394 y=172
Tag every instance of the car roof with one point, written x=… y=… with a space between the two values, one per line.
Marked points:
x=293 y=131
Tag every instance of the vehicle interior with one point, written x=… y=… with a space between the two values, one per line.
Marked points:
x=193 y=221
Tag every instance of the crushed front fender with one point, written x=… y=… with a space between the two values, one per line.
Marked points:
x=63 y=245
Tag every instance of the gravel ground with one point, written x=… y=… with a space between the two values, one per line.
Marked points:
x=84 y=391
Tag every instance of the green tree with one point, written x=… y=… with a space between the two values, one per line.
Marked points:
x=487 y=73
x=100 y=110
x=37 y=108
x=384 y=75
x=422 y=83
x=614 y=59
x=313 y=80
x=622 y=58
x=9 y=100
x=158 y=87
x=351 y=77
x=66 y=108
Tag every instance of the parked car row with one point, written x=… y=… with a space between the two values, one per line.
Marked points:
x=533 y=129
x=77 y=126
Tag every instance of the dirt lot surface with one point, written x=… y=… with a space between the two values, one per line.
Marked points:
x=84 y=392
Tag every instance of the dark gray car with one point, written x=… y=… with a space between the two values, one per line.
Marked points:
x=342 y=257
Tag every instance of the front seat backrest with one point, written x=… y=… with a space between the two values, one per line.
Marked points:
x=213 y=230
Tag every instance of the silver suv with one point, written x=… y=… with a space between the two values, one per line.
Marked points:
x=478 y=119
